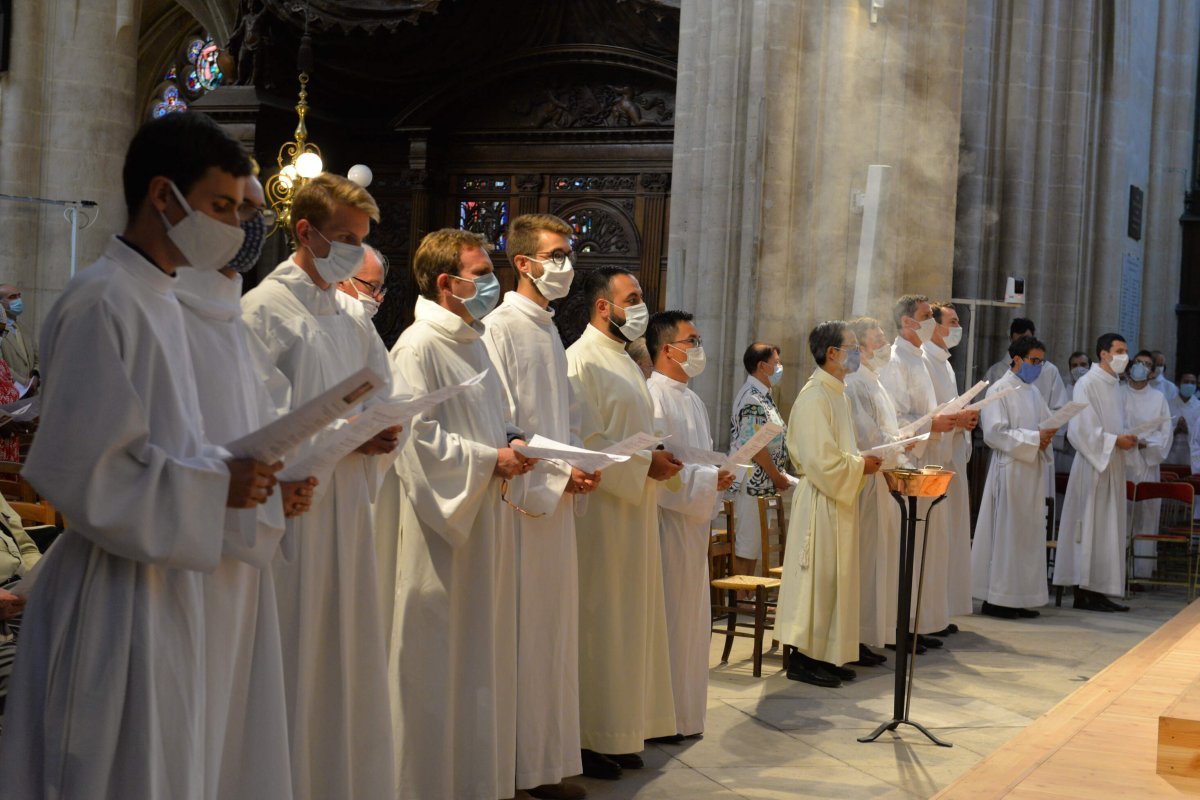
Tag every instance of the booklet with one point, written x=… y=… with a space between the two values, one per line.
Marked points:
x=279 y=438
x=899 y=444
x=696 y=455
x=911 y=428
x=992 y=398
x=746 y=453
x=960 y=403
x=635 y=443
x=586 y=460
x=1062 y=416
x=1147 y=426
x=22 y=410
x=365 y=426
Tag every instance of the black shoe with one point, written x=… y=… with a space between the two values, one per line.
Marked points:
x=598 y=765
x=814 y=676
x=928 y=641
x=841 y=673
x=1110 y=604
x=1028 y=613
x=921 y=649
x=1087 y=601
x=627 y=760
x=866 y=658
x=946 y=631
x=674 y=738
x=1002 y=612
x=558 y=791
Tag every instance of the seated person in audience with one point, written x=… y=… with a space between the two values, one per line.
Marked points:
x=18 y=554
x=9 y=393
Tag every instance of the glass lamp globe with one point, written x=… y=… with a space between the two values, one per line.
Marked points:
x=309 y=165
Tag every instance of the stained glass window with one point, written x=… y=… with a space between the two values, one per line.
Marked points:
x=170 y=103
x=584 y=227
x=489 y=217
x=196 y=70
x=477 y=183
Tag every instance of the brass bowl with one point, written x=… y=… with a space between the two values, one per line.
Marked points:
x=931 y=481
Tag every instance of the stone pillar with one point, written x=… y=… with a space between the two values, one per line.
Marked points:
x=1065 y=106
x=781 y=108
x=67 y=113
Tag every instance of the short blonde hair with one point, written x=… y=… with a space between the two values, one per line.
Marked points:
x=861 y=325
x=316 y=199
x=439 y=252
x=524 y=232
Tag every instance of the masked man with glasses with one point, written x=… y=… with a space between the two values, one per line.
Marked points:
x=818 y=601
x=333 y=642
x=530 y=360
x=367 y=287
x=686 y=508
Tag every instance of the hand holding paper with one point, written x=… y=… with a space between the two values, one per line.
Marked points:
x=1147 y=426
x=589 y=461
x=277 y=439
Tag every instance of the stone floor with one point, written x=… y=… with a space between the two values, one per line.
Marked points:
x=774 y=738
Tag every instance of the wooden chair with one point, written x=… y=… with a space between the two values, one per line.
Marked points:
x=13 y=486
x=1174 y=526
x=1182 y=470
x=774 y=539
x=723 y=580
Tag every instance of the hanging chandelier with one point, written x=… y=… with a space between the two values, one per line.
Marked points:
x=299 y=160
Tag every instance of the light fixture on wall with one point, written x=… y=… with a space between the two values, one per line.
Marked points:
x=876 y=7
x=299 y=160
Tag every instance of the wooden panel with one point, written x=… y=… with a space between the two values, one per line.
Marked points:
x=1102 y=740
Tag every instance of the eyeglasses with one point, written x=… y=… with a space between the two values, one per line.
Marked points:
x=377 y=291
x=851 y=349
x=559 y=258
x=248 y=211
x=514 y=506
x=694 y=341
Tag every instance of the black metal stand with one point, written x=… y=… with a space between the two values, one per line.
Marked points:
x=906 y=652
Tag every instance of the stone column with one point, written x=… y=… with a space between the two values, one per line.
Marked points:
x=67 y=113
x=781 y=108
x=1065 y=106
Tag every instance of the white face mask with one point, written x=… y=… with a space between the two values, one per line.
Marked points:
x=370 y=304
x=1119 y=362
x=636 y=319
x=1078 y=372
x=341 y=263
x=693 y=365
x=880 y=358
x=206 y=243
x=953 y=338
x=925 y=330
x=554 y=282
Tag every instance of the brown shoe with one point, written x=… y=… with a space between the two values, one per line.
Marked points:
x=558 y=791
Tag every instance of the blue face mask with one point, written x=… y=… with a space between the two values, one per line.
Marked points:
x=1029 y=372
x=487 y=293
x=776 y=376
x=15 y=307
x=852 y=362
x=1186 y=390
x=1139 y=372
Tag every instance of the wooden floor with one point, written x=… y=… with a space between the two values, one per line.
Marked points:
x=1101 y=741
